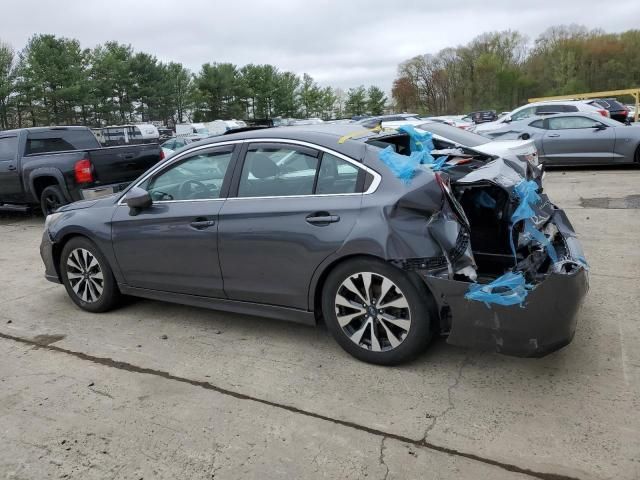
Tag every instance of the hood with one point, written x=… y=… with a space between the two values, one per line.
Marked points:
x=79 y=205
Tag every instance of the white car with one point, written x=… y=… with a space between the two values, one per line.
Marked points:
x=452 y=137
x=541 y=108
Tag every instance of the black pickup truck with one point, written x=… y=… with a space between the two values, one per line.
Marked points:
x=53 y=166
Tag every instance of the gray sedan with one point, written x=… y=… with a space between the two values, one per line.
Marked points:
x=328 y=221
x=576 y=139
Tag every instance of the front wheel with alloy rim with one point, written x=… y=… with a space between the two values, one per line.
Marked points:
x=376 y=312
x=87 y=276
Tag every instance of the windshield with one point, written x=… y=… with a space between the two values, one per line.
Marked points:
x=455 y=134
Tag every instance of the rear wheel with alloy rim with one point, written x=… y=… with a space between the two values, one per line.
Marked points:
x=376 y=311
x=50 y=199
x=87 y=277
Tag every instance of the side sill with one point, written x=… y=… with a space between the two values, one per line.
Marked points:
x=247 y=308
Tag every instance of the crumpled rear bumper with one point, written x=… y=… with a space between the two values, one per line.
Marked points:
x=546 y=322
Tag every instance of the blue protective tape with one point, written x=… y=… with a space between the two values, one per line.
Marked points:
x=483 y=199
x=418 y=141
x=402 y=166
x=526 y=191
x=420 y=144
x=509 y=289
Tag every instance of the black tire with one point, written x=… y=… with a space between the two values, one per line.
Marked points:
x=417 y=297
x=86 y=297
x=51 y=198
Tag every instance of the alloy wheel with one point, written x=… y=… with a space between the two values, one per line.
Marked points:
x=372 y=311
x=85 y=275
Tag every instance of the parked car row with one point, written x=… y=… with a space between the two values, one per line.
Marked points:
x=580 y=138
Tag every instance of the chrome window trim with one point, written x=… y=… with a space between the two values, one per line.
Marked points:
x=377 y=178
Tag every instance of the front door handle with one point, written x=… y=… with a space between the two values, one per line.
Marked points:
x=11 y=168
x=322 y=218
x=554 y=135
x=202 y=223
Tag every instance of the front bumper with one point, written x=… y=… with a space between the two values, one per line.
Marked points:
x=46 y=253
x=546 y=322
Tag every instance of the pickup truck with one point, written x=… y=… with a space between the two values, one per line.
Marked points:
x=53 y=166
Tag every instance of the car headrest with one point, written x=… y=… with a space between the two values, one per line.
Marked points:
x=261 y=166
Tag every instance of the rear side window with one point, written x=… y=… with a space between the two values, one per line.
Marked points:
x=556 y=108
x=277 y=172
x=60 y=140
x=280 y=171
x=8 y=148
x=336 y=176
x=45 y=145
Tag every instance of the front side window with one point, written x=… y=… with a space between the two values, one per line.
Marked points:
x=566 y=123
x=278 y=171
x=524 y=113
x=537 y=124
x=198 y=177
x=8 y=148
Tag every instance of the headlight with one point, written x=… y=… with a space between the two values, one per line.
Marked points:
x=51 y=219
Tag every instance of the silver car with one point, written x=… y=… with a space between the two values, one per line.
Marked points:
x=576 y=139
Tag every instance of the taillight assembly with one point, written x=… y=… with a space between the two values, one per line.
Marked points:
x=604 y=112
x=83 y=171
x=161 y=154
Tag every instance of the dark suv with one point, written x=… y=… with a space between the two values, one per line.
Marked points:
x=617 y=111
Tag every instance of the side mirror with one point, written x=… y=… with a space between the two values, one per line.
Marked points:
x=137 y=199
x=600 y=126
x=507 y=119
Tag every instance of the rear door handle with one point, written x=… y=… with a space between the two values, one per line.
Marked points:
x=322 y=218
x=202 y=223
x=554 y=135
x=11 y=168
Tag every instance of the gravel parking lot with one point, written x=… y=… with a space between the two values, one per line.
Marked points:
x=156 y=390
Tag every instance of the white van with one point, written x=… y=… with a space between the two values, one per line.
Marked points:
x=192 y=130
x=130 y=134
x=219 y=127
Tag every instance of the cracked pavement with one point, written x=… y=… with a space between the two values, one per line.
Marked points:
x=231 y=396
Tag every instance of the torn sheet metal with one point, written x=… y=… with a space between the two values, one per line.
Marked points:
x=497 y=172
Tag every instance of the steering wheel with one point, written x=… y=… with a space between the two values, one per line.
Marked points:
x=190 y=189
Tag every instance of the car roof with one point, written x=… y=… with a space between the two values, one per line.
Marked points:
x=45 y=129
x=326 y=135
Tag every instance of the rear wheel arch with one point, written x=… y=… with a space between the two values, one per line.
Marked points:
x=413 y=277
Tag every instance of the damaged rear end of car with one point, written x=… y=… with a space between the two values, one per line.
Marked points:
x=502 y=262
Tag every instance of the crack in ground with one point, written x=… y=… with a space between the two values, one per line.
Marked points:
x=381 y=458
x=451 y=406
x=423 y=443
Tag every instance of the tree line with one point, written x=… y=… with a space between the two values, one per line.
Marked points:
x=501 y=70
x=54 y=81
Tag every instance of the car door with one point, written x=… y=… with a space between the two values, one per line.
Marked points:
x=577 y=140
x=173 y=245
x=291 y=207
x=11 y=189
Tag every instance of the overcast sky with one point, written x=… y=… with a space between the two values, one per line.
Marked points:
x=340 y=43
